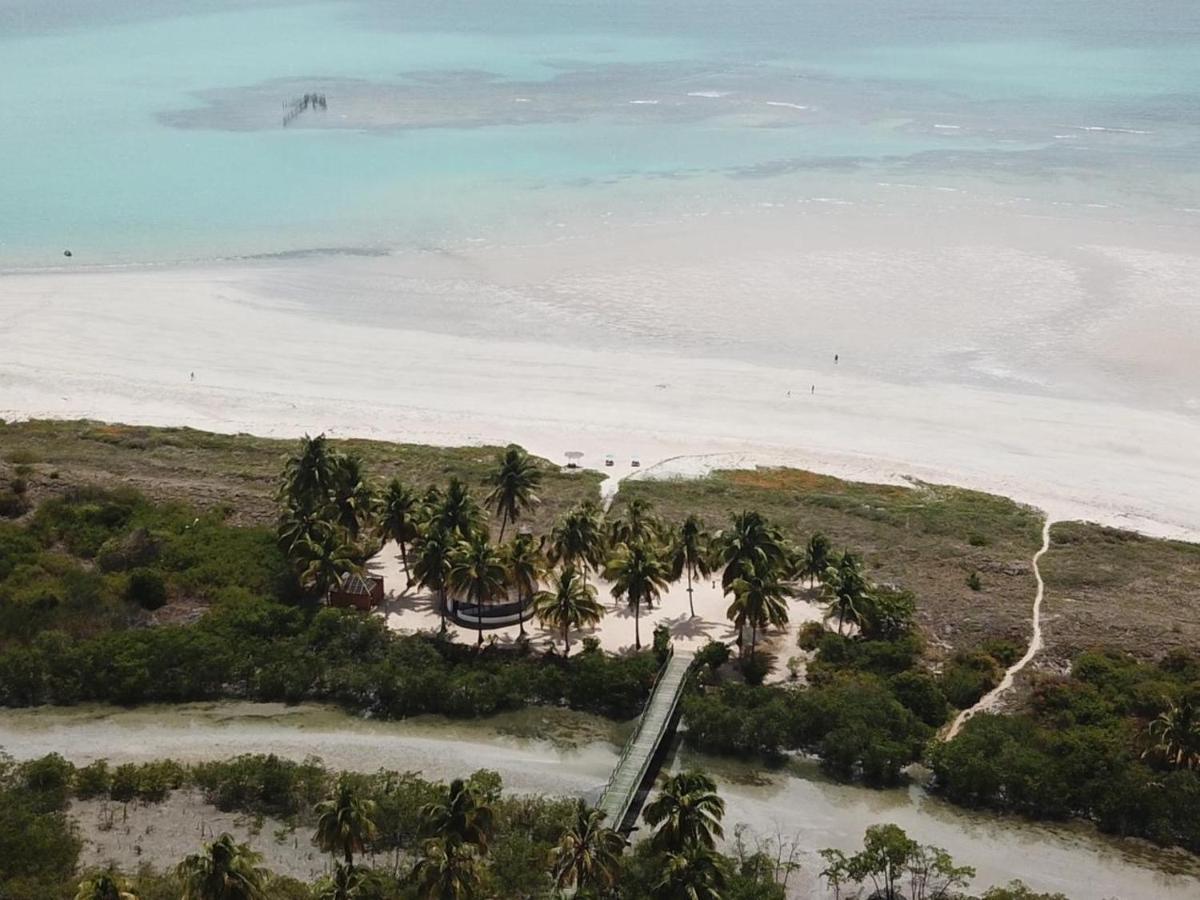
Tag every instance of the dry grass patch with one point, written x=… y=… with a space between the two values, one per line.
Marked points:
x=1113 y=588
x=236 y=472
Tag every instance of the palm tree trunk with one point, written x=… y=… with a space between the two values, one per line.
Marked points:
x=349 y=856
x=521 y=614
x=404 y=559
x=479 y=621
x=637 y=620
x=503 y=522
x=691 y=608
x=841 y=618
x=566 y=639
x=442 y=607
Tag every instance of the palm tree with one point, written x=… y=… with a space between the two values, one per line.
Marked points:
x=588 y=855
x=690 y=549
x=345 y=821
x=1176 y=735
x=578 y=539
x=817 y=557
x=640 y=576
x=686 y=812
x=514 y=482
x=571 y=603
x=638 y=525
x=431 y=569
x=447 y=871
x=457 y=512
x=223 y=870
x=325 y=558
x=695 y=873
x=104 y=885
x=760 y=599
x=526 y=566
x=750 y=539
x=298 y=522
x=347 y=882
x=398 y=519
x=462 y=817
x=846 y=589
x=477 y=573
x=352 y=498
x=308 y=474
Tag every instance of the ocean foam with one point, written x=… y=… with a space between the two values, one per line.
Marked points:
x=711 y=95
x=782 y=103
x=644 y=102
x=1112 y=130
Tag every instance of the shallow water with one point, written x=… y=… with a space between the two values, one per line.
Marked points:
x=140 y=131
x=571 y=754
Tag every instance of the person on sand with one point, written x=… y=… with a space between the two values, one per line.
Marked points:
x=193 y=377
x=835 y=359
x=814 y=389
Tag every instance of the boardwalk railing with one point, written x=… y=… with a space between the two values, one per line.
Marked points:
x=633 y=765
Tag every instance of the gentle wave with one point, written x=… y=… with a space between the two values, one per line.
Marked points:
x=1112 y=130
x=711 y=95
x=782 y=103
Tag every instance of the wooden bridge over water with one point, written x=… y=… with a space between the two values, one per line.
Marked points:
x=622 y=798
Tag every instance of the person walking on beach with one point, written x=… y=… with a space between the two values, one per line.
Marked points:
x=835 y=359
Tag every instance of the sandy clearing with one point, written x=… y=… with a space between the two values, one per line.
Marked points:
x=415 y=610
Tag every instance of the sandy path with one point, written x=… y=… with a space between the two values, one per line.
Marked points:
x=991 y=698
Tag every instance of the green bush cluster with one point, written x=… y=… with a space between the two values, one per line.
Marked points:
x=854 y=723
x=1084 y=750
x=270 y=652
x=88 y=561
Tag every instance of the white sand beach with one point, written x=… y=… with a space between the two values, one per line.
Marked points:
x=673 y=353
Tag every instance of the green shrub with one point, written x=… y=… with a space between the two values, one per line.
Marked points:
x=12 y=505
x=920 y=693
x=93 y=780
x=810 y=635
x=974 y=582
x=968 y=676
x=714 y=654
x=755 y=667
x=147 y=589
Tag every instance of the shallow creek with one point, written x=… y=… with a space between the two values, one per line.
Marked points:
x=564 y=753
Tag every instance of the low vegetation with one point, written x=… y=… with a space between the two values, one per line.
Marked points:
x=390 y=836
x=107 y=594
x=1116 y=741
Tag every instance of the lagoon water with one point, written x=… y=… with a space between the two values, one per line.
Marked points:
x=800 y=807
x=140 y=131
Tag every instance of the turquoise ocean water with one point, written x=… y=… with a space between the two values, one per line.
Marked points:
x=139 y=131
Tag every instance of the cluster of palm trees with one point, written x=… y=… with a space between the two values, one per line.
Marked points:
x=457 y=831
x=333 y=520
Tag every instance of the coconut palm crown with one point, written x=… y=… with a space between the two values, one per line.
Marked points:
x=514 y=484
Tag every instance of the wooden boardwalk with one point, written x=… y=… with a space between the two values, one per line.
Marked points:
x=654 y=727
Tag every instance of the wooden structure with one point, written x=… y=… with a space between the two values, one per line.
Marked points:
x=634 y=773
x=363 y=592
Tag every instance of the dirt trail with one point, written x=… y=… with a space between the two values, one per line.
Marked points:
x=989 y=700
